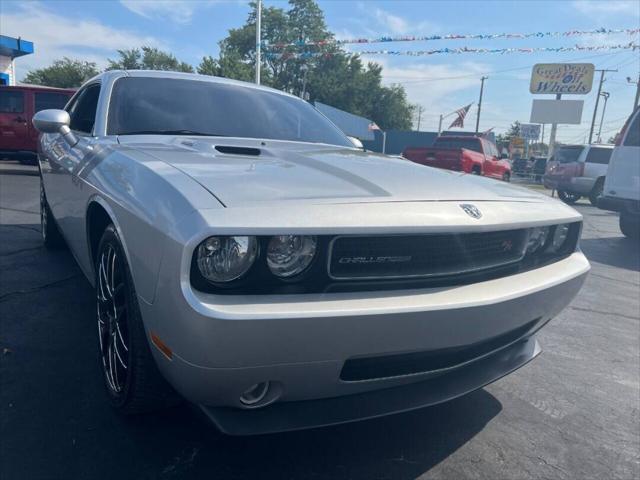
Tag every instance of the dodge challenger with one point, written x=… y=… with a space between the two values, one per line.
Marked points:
x=247 y=257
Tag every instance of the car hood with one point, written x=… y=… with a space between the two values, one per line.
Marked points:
x=243 y=172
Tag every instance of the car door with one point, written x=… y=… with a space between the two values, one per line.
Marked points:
x=597 y=161
x=13 y=119
x=66 y=193
x=623 y=176
x=489 y=167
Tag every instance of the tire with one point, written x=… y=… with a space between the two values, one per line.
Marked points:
x=596 y=191
x=506 y=177
x=133 y=382
x=476 y=171
x=51 y=235
x=630 y=225
x=568 y=198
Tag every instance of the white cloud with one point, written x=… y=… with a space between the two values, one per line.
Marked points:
x=397 y=25
x=392 y=22
x=597 y=9
x=176 y=10
x=179 y=11
x=56 y=36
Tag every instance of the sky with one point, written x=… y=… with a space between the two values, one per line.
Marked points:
x=95 y=30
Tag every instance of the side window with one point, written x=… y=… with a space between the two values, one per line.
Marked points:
x=633 y=134
x=599 y=155
x=83 y=110
x=46 y=100
x=11 y=101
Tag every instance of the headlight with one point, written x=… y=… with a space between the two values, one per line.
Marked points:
x=559 y=237
x=537 y=238
x=289 y=255
x=223 y=259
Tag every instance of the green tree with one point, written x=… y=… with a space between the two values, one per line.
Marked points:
x=148 y=58
x=325 y=72
x=65 y=73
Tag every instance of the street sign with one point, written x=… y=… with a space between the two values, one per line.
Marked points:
x=530 y=131
x=557 y=111
x=562 y=78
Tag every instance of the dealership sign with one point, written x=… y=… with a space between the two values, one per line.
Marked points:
x=562 y=78
x=530 y=131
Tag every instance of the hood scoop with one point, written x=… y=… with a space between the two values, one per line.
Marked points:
x=231 y=150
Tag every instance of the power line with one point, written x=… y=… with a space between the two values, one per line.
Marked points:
x=475 y=75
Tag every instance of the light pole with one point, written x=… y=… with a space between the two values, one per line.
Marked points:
x=637 y=84
x=606 y=97
x=258 y=40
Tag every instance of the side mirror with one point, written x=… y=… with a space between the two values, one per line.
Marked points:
x=55 y=121
x=356 y=142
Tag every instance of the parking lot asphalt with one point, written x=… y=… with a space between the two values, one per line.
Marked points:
x=572 y=413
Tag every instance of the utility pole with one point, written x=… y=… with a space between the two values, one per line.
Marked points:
x=305 y=70
x=552 y=135
x=258 y=40
x=420 y=109
x=595 y=110
x=637 y=84
x=482 y=79
x=604 y=108
x=440 y=125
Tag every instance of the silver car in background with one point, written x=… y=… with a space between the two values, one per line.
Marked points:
x=248 y=258
x=577 y=171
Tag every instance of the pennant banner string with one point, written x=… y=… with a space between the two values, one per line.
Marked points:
x=461 y=50
x=455 y=36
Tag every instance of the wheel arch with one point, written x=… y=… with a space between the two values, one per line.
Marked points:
x=98 y=216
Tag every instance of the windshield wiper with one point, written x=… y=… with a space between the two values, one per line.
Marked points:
x=172 y=132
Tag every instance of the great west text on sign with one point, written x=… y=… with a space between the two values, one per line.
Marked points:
x=563 y=78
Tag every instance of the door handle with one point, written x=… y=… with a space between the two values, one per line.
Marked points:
x=20 y=120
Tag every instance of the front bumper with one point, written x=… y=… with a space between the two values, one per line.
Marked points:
x=224 y=344
x=287 y=416
x=616 y=204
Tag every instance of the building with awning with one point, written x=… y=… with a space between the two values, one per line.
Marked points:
x=10 y=49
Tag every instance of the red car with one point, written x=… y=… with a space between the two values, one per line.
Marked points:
x=18 y=138
x=463 y=154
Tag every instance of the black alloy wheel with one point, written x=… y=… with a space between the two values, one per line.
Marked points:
x=596 y=192
x=132 y=379
x=568 y=198
x=113 y=332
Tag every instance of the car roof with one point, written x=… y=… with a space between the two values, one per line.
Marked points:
x=40 y=88
x=112 y=74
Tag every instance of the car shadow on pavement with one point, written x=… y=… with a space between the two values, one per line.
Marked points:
x=400 y=446
x=55 y=421
x=620 y=252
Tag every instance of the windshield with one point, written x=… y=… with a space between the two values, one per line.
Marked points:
x=192 y=107
x=469 y=144
x=568 y=154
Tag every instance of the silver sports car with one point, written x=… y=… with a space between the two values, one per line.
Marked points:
x=247 y=257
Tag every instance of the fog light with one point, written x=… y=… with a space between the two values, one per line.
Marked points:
x=255 y=394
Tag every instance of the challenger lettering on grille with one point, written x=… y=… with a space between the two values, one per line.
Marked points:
x=361 y=260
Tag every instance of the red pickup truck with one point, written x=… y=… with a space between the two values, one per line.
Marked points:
x=18 y=137
x=463 y=154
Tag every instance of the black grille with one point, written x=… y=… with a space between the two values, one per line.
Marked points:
x=423 y=255
x=358 y=369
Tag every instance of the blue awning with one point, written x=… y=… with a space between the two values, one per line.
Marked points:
x=14 y=47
